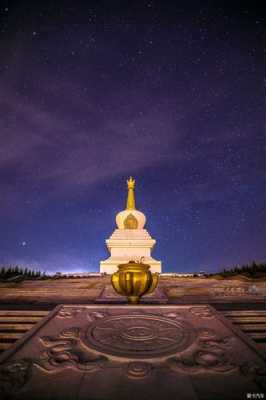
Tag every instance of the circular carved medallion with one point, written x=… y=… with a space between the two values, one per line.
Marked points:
x=139 y=336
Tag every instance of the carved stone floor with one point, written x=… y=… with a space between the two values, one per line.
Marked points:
x=103 y=352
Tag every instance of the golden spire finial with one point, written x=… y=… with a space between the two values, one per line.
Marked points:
x=131 y=196
x=131 y=183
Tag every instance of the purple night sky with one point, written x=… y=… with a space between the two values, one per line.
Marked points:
x=172 y=93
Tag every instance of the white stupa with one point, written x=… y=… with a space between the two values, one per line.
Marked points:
x=130 y=241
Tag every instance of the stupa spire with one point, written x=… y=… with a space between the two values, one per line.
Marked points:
x=131 y=195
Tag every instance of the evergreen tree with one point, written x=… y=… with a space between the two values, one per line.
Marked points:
x=8 y=272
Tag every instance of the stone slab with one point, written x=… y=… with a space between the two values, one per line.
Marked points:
x=108 y=295
x=139 y=352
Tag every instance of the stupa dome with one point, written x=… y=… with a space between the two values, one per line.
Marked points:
x=130 y=219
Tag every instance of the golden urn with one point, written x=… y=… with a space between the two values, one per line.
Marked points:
x=134 y=280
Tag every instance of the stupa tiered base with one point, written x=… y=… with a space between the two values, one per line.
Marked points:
x=129 y=244
x=110 y=265
x=187 y=352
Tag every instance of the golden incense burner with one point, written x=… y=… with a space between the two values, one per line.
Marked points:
x=134 y=280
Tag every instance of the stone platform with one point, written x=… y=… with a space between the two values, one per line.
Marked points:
x=100 y=352
x=108 y=295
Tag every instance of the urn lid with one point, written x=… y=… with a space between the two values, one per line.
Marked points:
x=134 y=265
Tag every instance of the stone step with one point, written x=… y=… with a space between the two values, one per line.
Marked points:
x=35 y=313
x=253 y=327
x=4 y=346
x=246 y=320
x=258 y=335
x=243 y=313
x=12 y=335
x=19 y=319
x=15 y=327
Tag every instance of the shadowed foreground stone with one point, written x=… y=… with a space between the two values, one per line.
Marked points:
x=132 y=352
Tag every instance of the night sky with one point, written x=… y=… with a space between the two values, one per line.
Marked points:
x=173 y=94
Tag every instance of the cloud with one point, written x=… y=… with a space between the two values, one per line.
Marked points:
x=49 y=150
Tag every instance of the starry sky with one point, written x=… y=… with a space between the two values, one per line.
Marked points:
x=172 y=93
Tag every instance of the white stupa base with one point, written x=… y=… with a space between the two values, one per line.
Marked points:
x=129 y=244
x=109 y=266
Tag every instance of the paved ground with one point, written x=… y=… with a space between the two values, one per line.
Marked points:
x=52 y=291
x=177 y=290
